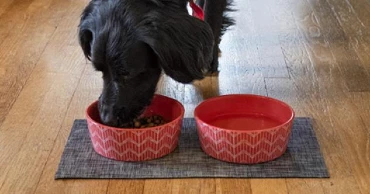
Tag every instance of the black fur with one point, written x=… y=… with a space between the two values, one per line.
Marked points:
x=132 y=41
x=216 y=15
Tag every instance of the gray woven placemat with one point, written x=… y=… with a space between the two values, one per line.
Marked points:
x=302 y=159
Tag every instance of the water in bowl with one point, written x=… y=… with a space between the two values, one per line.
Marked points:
x=244 y=121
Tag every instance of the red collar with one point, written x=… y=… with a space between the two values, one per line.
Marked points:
x=197 y=11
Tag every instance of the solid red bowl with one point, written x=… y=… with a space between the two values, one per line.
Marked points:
x=126 y=144
x=244 y=128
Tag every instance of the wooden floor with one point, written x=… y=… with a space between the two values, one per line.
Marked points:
x=313 y=54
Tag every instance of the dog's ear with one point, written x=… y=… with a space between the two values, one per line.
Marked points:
x=183 y=44
x=86 y=28
x=85 y=40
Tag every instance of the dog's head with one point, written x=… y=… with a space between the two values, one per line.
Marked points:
x=132 y=41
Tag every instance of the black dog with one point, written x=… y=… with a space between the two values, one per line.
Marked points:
x=132 y=41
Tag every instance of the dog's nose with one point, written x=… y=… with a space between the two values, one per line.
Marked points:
x=107 y=116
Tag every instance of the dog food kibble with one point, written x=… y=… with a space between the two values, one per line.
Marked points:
x=145 y=122
x=137 y=124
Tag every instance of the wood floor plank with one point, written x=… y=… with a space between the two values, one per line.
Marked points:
x=354 y=73
x=40 y=137
x=208 y=186
x=340 y=106
x=16 y=125
x=64 y=45
x=126 y=186
x=19 y=60
x=361 y=11
x=12 y=12
x=41 y=154
x=354 y=136
x=361 y=102
x=231 y=186
x=180 y=186
x=354 y=22
x=271 y=186
x=157 y=186
x=4 y=5
x=272 y=63
x=31 y=101
x=89 y=186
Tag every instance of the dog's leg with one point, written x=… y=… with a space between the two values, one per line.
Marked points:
x=216 y=18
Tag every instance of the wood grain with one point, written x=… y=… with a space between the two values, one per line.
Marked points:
x=25 y=45
x=230 y=186
x=312 y=54
x=12 y=11
x=39 y=137
x=351 y=128
x=126 y=186
x=157 y=186
x=273 y=186
x=4 y=5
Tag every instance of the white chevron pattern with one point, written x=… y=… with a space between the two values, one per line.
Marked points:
x=246 y=142
x=243 y=152
x=135 y=145
x=130 y=150
x=243 y=146
x=128 y=140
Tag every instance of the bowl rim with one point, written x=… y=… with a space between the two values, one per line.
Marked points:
x=243 y=95
x=137 y=129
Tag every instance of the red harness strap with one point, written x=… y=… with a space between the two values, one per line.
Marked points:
x=197 y=11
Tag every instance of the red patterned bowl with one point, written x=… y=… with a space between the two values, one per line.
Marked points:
x=138 y=144
x=244 y=128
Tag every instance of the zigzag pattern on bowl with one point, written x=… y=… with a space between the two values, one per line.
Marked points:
x=244 y=147
x=135 y=145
